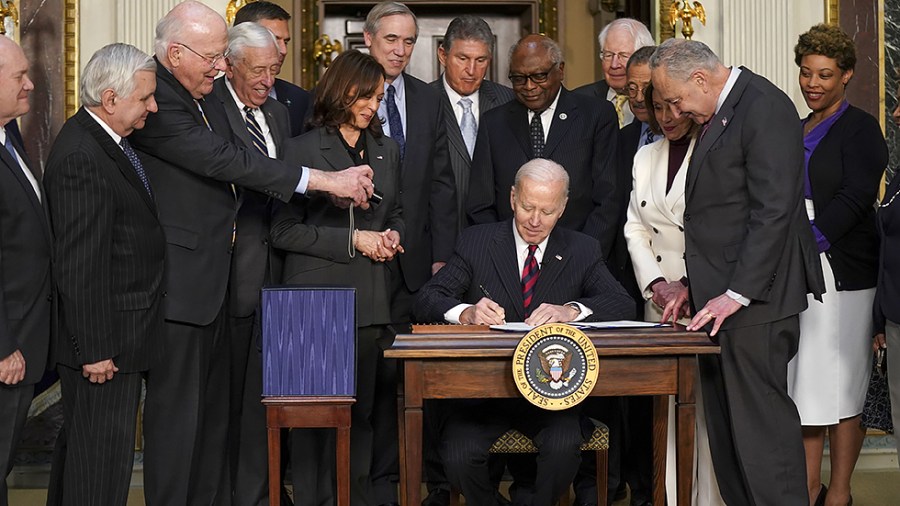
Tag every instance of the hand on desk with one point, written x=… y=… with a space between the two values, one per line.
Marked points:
x=551 y=313
x=717 y=309
x=677 y=303
x=485 y=312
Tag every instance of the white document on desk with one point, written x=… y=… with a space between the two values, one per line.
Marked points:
x=617 y=324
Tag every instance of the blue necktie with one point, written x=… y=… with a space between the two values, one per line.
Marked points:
x=255 y=131
x=9 y=147
x=468 y=127
x=136 y=163
x=651 y=137
x=394 y=122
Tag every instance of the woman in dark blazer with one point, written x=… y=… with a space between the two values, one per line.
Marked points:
x=887 y=295
x=327 y=242
x=845 y=157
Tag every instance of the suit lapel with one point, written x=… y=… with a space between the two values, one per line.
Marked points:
x=235 y=116
x=17 y=171
x=487 y=99
x=518 y=118
x=717 y=126
x=276 y=128
x=555 y=259
x=564 y=116
x=333 y=151
x=454 y=136
x=378 y=159
x=502 y=251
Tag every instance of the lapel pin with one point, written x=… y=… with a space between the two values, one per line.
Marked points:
x=724 y=122
x=379 y=157
x=558 y=257
x=563 y=116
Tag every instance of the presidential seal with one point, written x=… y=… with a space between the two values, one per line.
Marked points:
x=555 y=366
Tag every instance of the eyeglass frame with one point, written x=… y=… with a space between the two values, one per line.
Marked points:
x=641 y=89
x=536 y=78
x=609 y=55
x=212 y=62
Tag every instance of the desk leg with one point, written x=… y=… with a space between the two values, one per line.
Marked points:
x=274 y=434
x=401 y=425
x=343 y=466
x=660 y=433
x=412 y=428
x=685 y=423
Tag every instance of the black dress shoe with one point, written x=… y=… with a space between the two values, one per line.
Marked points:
x=437 y=497
x=820 y=499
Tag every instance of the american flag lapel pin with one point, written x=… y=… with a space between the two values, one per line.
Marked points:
x=724 y=122
x=379 y=157
x=559 y=257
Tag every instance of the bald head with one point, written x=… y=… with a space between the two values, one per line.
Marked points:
x=14 y=82
x=190 y=42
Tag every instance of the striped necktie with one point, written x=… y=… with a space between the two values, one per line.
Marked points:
x=256 y=135
x=468 y=127
x=537 y=136
x=136 y=163
x=530 y=273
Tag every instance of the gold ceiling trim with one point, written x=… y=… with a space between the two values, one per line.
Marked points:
x=70 y=51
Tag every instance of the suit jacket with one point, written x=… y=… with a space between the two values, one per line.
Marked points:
x=110 y=251
x=490 y=96
x=252 y=261
x=887 y=295
x=654 y=229
x=597 y=89
x=298 y=102
x=619 y=262
x=25 y=251
x=844 y=174
x=191 y=166
x=745 y=220
x=572 y=270
x=582 y=139
x=428 y=188
x=315 y=234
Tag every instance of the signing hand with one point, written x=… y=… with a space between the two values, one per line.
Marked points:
x=551 y=313
x=12 y=368
x=485 y=312
x=717 y=309
x=354 y=183
x=99 y=372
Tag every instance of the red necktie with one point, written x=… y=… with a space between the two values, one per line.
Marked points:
x=530 y=273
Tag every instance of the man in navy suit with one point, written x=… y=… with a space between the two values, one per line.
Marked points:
x=25 y=294
x=275 y=18
x=110 y=257
x=548 y=121
x=571 y=283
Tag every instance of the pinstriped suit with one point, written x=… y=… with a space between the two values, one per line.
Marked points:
x=25 y=297
x=572 y=270
x=490 y=95
x=110 y=258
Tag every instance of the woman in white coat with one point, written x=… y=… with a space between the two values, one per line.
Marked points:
x=654 y=231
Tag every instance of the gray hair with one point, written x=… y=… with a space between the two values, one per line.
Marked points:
x=640 y=57
x=638 y=31
x=249 y=34
x=468 y=28
x=113 y=67
x=383 y=10
x=541 y=170
x=681 y=58
x=556 y=55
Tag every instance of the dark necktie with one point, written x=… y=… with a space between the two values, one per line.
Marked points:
x=537 y=136
x=9 y=147
x=651 y=137
x=394 y=122
x=530 y=273
x=136 y=163
x=705 y=128
x=255 y=131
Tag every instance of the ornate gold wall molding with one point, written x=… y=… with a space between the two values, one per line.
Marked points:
x=832 y=11
x=71 y=66
x=665 y=29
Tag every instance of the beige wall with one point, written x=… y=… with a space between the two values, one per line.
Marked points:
x=577 y=40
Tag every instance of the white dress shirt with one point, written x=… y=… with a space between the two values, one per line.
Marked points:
x=260 y=118
x=25 y=170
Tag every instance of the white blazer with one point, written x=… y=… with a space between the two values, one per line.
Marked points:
x=654 y=229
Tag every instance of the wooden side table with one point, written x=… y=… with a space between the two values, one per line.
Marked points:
x=309 y=413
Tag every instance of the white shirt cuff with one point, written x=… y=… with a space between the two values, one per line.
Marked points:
x=744 y=301
x=452 y=315
x=303 y=184
x=585 y=311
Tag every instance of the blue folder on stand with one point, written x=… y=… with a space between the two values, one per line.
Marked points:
x=309 y=341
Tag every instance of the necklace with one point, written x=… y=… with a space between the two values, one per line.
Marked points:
x=889 y=201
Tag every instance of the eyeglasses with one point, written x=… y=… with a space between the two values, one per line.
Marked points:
x=609 y=55
x=538 y=78
x=633 y=89
x=212 y=62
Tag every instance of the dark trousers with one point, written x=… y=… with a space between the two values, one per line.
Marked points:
x=186 y=414
x=14 y=403
x=610 y=411
x=753 y=426
x=100 y=424
x=472 y=427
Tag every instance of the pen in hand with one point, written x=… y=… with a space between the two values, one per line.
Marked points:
x=485 y=292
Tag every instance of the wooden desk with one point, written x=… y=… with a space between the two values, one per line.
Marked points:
x=655 y=361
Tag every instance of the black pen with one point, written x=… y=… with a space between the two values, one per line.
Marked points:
x=485 y=292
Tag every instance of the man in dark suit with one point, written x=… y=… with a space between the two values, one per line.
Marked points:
x=275 y=18
x=618 y=41
x=571 y=284
x=412 y=115
x=197 y=169
x=548 y=121
x=110 y=256
x=25 y=294
x=751 y=260
x=465 y=54
x=261 y=123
